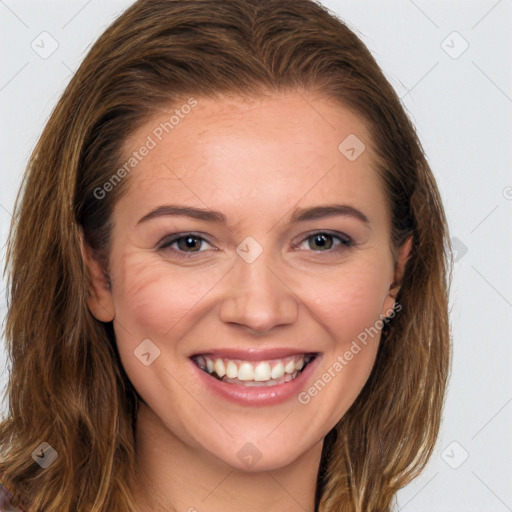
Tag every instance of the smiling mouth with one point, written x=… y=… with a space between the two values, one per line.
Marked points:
x=254 y=373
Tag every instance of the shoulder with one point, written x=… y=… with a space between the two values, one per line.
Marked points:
x=5 y=501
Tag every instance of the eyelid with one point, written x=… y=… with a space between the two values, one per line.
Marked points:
x=345 y=240
x=168 y=240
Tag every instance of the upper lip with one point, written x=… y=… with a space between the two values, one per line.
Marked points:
x=253 y=354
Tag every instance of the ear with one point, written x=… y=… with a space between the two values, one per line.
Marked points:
x=400 y=261
x=99 y=295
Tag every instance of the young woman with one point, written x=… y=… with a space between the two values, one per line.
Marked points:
x=228 y=274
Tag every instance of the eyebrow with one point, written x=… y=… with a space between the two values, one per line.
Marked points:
x=299 y=215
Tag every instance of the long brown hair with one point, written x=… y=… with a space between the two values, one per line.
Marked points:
x=67 y=387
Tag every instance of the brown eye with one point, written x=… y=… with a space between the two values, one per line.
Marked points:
x=186 y=243
x=321 y=241
x=189 y=242
x=326 y=242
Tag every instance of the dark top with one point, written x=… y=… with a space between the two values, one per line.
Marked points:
x=5 y=501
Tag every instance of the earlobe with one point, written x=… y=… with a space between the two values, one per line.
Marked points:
x=401 y=260
x=403 y=256
x=99 y=295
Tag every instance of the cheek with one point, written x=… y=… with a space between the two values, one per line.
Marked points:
x=348 y=306
x=154 y=302
x=153 y=299
x=349 y=300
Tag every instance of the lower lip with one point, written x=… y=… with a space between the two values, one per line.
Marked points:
x=257 y=395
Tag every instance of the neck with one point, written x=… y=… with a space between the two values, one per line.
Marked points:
x=173 y=476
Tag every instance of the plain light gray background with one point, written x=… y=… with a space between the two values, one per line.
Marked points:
x=450 y=62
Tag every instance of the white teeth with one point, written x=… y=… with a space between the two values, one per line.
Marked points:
x=290 y=367
x=219 y=368
x=277 y=371
x=246 y=372
x=261 y=372
x=231 y=370
x=254 y=373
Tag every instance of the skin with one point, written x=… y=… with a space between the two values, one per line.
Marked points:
x=256 y=162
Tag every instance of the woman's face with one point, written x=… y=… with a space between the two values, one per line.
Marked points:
x=249 y=242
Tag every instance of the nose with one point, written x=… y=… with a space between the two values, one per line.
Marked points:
x=258 y=297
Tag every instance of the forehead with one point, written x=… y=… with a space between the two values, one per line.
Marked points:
x=254 y=156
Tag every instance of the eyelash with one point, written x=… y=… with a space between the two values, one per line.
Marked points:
x=345 y=243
